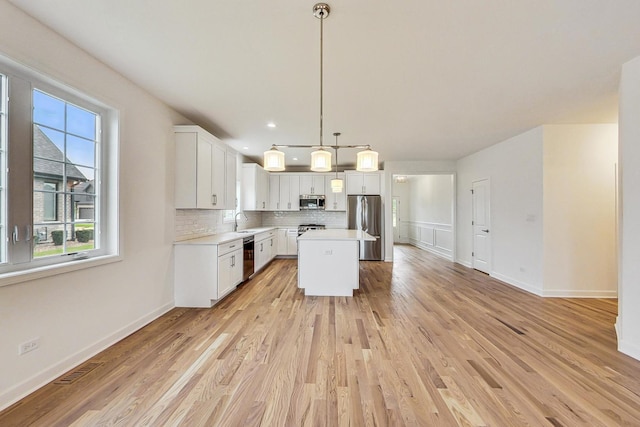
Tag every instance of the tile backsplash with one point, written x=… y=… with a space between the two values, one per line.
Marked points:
x=293 y=219
x=194 y=223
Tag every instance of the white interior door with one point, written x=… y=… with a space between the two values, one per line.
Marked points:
x=481 y=224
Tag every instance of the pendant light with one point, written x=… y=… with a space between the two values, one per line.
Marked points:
x=336 y=183
x=367 y=160
x=273 y=160
x=321 y=158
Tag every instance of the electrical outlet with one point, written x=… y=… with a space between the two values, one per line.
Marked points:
x=28 y=346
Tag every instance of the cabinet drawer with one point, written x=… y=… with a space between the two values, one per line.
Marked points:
x=225 y=248
x=265 y=235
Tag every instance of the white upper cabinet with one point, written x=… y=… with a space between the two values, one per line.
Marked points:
x=205 y=177
x=312 y=184
x=284 y=192
x=334 y=201
x=290 y=192
x=255 y=188
x=363 y=182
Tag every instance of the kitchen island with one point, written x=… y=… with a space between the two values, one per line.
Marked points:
x=328 y=261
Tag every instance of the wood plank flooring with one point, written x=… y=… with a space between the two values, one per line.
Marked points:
x=424 y=342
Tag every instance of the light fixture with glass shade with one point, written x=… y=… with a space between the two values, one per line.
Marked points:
x=274 y=160
x=336 y=183
x=367 y=160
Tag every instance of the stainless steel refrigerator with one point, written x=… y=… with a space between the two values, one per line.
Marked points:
x=365 y=213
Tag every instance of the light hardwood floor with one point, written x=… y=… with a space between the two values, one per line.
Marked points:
x=424 y=342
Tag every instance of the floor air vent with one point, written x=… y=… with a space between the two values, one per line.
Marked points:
x=77 y=373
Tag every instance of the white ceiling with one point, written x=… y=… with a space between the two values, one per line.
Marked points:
x=416 y=79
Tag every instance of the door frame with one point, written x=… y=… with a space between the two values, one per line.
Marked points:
x=473 y=248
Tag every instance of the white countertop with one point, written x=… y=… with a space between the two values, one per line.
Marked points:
x=336 y=234
x=217 y=239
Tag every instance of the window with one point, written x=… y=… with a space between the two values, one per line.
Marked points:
x=57 y=195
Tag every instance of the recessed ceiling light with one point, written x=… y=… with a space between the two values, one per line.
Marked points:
x=271 y=125
x=295 y=158
x=245 y=148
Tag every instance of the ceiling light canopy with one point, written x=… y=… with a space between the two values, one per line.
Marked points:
x=367 y=160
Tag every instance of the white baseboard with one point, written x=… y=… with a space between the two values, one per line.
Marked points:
x=465 y=263
x=578 y=293
x=630 y=349
x=12 y=395
x=434 y=250
x=516 y=283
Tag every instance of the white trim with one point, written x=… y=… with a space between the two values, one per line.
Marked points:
x=518 y=284
x=579 y=293
x=20 y=276
x=463 y=262
x=19 y=391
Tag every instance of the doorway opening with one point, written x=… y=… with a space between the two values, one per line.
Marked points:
x=423 y=212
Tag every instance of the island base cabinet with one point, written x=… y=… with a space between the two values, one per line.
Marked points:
x=328 y=267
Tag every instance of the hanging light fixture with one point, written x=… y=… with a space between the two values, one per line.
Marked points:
x=336 y=183
x=321 y=158
x=273 y=160
x=367 y=160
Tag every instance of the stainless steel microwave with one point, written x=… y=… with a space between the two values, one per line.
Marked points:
x=311 y=202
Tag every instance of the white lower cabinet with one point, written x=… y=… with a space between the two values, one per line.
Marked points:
x=229 y=272
x=287 y=241
x=205 y=273
x=265 y=248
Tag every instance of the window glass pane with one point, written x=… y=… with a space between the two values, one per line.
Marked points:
x=80 y=151
x=48 y=143
x=81 y=122
x=84 y=187
x=46 y=170
x=47 y=110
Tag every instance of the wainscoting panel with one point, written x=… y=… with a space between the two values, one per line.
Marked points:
x=433 y=237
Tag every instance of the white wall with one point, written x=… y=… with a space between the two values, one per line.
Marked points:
x=628 y=325
x=431 y=199
x=580 y=210
x=76 y=314
x=515 y=170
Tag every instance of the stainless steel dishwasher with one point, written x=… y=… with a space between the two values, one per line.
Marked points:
x=247 y=257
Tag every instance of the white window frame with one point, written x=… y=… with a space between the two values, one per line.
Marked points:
x=107 y=181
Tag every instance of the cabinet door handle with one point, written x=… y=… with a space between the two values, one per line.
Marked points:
x=271 y=242
x=15 y=236
x=289 y=205
x=277 y=205
x=28 y=235
x=232 y=246
x=214 y=199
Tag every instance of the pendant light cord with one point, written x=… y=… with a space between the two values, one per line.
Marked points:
x=321 y=73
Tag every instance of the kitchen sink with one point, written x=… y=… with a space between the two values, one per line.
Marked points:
x=243 y=231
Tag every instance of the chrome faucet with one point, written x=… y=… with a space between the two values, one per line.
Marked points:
x=235 y=220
